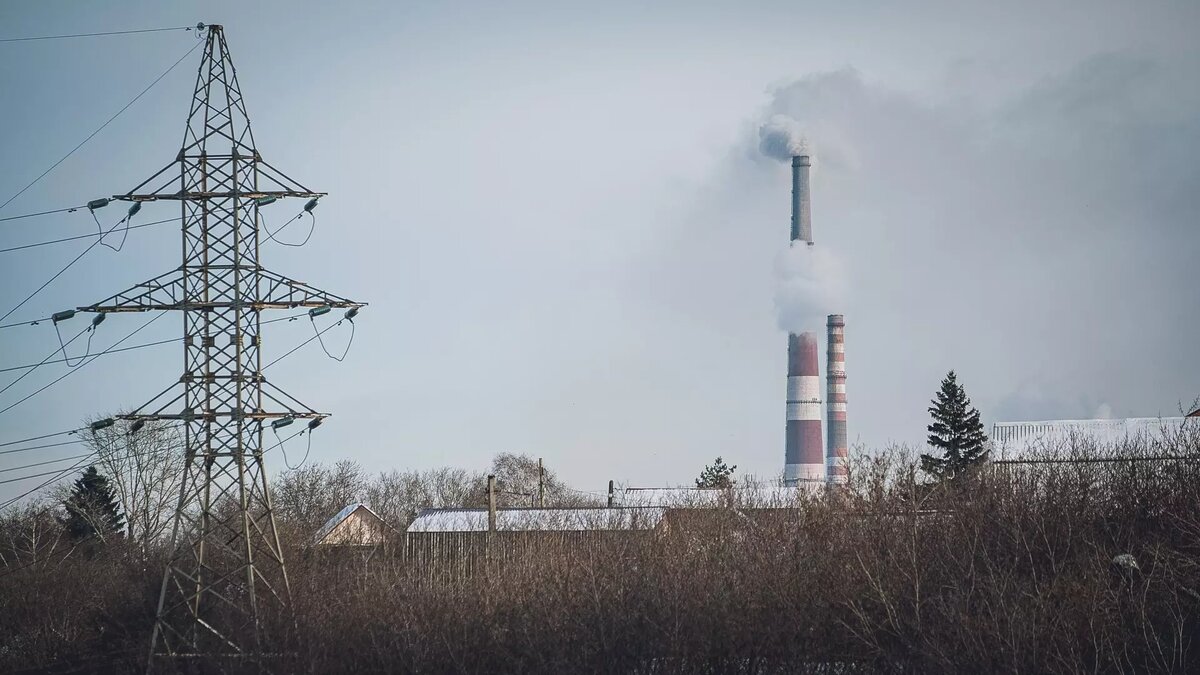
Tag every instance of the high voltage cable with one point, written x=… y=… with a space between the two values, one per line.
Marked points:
x=59 y=474
x=38 y=438
x=294 y=349
x=84 y=236
x=58 y=273
x=114 y=351
x=34 y=367
x=126 y=349
x=83 y=35
x=102 y=126
x=37 y=464
x=69 y=209
x=34 y=475
x=112 y=348
x=42 y=447
x=62 y=473
x=90 y=359
x=31 y=322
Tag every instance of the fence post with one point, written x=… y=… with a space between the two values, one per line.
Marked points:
x=610 y=494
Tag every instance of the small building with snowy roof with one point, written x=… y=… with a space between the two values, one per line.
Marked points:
x=595 y=519
x=354 y=525
x=755 y=496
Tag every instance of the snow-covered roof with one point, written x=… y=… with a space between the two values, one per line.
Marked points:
x=340 y=517
x=527 y=519
x=683 y=497
x=1012 y=440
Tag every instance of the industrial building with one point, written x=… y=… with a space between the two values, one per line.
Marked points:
x=1018 y=440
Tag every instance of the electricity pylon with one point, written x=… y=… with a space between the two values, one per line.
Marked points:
x=226 y=584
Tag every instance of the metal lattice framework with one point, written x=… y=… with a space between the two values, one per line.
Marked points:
x=226 y=576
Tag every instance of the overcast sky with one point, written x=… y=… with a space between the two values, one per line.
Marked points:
x=569 y=240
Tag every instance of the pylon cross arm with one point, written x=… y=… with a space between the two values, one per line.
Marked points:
x=166 y=291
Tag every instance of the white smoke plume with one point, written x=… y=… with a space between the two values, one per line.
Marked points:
x=810 y=283
x=781 y=138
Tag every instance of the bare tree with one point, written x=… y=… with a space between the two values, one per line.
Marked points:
x=304 y=498
x=397 y=496
x=517 y=478
x=143 y=465
x=28 y=532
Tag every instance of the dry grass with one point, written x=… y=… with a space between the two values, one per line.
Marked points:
x=1010 y=571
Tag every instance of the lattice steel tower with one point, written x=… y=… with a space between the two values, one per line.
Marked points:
x=225 y=590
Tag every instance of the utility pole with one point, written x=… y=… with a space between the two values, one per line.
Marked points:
x=491 y=489
x=610 y=494
x=541 y=484
x=225 y=583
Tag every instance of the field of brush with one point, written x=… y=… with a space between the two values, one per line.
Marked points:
x=1040 y=567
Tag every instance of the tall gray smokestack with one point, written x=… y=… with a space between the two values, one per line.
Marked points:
x=837 y=454
x=801 y=203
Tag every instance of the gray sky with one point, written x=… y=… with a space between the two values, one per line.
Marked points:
x=569 y=240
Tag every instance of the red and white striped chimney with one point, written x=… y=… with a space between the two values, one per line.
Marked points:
x=804 y=457
x=837 y=458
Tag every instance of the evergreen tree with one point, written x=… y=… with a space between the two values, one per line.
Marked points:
x=716 y=475
x=92 y=509
x=956 y=431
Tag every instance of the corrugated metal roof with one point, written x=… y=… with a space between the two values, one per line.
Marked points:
x=533 y=519
x=1011 y=440
x=342 y=515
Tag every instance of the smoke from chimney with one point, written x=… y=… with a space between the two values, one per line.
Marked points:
x=809 y=285
x=780 y=138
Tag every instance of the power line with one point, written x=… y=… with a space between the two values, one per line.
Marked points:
x=38 y=475
x=60 y=474
x=59 y=273
x=294 y=349
x=69 y=209
x=31 y=322
x=129 y=348
x=49 y=461
x=63 y=348
x=42 y=447
x=84 y=236
x=114 y=351
x=349 y=342
x=113 y=348
x=50 y=280
x=90 y=359
x=111 y=32
x=38 y=438
x=102 y=126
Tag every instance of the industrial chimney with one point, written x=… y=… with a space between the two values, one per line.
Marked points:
x=838 y=455
x=801 y=204
x=804 y=458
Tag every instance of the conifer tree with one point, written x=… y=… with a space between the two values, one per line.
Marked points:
x=956 y=431
x=92 y=509
x=716 y=475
